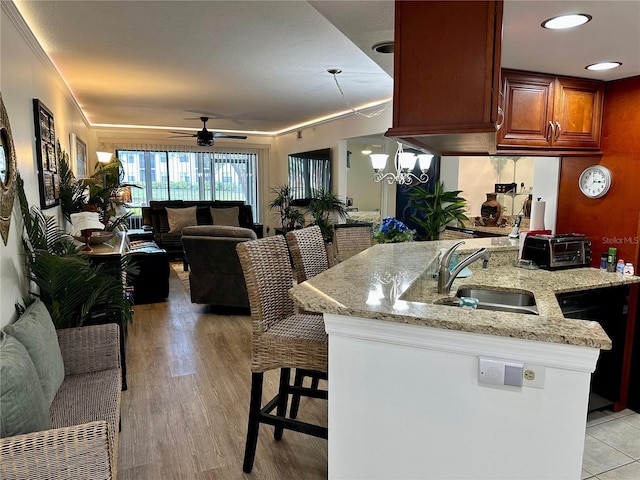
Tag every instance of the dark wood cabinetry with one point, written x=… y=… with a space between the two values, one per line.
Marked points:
x=446 y=75
x=557 y=113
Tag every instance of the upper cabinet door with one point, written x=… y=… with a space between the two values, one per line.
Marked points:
x=548 y=112
x=528 y=107
x=446 y=75
x=578 y=113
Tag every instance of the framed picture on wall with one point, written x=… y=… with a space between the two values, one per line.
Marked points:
x=46 y=153
x=81 y=158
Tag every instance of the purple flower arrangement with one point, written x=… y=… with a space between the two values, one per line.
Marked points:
x=392 y=230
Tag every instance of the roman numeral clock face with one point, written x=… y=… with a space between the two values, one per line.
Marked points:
x=595 y=181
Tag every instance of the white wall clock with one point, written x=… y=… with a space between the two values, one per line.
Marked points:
x=595 y=181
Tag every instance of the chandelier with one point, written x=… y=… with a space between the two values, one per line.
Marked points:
x=404 y=164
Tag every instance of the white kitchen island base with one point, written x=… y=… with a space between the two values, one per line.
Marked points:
x=405 y=403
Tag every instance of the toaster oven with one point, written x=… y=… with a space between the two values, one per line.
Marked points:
x=551 y=252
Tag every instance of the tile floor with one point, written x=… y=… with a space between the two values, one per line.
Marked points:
x=612 y=446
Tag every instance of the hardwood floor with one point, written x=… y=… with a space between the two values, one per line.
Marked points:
x=184 y=415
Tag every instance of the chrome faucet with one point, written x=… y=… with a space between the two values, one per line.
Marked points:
x=446 y=276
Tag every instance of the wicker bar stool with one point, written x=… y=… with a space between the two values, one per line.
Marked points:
x=308 y=252
x=455 y=234
x=310 y=257
x=351 y=238
x=281 y=339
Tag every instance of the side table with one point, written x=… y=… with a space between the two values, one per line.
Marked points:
x=140 y=234
x=151 y=284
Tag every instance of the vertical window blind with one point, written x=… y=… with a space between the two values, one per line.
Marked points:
x=191 y=173
x=309 y=171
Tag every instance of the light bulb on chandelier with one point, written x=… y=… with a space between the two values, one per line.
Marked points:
x=404 y=164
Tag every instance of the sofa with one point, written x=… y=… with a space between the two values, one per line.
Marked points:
x=167 y=233
x=215 y=276
x=59 y=399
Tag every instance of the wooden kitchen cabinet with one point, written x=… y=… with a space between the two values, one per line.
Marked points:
x=446 y=75
x=548 y=112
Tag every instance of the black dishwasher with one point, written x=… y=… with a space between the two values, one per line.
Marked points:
x=608 y=307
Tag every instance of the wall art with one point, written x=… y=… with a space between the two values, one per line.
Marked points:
x=46 y=154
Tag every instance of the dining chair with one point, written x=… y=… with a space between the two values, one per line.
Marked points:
x=281 y=339
x=351 y=239
x=309 y=252
x=455 y=234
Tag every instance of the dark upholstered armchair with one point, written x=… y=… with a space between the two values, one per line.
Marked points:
x=216 y=276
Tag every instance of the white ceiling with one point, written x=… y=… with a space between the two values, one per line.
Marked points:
x=260 y=66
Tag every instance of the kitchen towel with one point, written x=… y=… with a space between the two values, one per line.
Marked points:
x=537 y=215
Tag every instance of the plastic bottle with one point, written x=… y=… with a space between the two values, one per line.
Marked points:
x=628 y=269
x=603 y=261
x=620 y=266
x=611 y=259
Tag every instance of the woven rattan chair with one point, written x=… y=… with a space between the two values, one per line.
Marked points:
x=351 y=238
x=310 y=257
x=455 y=234
x=281 y=339
x=308 y=252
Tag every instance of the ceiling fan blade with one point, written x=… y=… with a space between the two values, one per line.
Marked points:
x=224 y=135
x=185 y=134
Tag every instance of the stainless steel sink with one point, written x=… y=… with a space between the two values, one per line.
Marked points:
x=498 y=300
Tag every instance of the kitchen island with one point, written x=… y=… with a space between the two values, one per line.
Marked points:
x=405 y=398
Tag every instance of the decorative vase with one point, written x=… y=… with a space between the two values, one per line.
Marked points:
x=490 y=210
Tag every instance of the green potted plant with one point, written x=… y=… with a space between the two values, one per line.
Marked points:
x=73 y=289
x=324 y=207
x=71 y=190
x=435 y=210
x=98 y=192
x=290 y=217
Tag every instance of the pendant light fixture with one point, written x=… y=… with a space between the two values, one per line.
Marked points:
x=404 y=163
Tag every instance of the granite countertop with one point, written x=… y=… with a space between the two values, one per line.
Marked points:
x=394 y=283
x=472 y=224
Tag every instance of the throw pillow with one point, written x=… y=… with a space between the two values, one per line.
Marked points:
x=181 y=217
x=225 y=216
x=35 y=330
x=23 y=408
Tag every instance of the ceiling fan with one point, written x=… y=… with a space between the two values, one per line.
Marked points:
x=205 y=137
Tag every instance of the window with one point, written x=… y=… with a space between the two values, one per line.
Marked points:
x=191 y=175
x=309 y=171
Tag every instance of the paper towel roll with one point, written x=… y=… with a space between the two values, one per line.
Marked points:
x=537 y=215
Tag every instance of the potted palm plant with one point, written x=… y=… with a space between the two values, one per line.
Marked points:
x=435 y=210
x=98 y=192
x=290 y=216
x=73 y=289
x=324 y=207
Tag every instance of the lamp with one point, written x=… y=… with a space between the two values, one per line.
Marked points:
x=366 y=150
x=103 y=153
x=104 y=157
x=404 y=163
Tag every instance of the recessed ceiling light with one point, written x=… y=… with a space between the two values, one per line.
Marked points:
x=383 y=47
x=603 y=66
x=566 y=21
